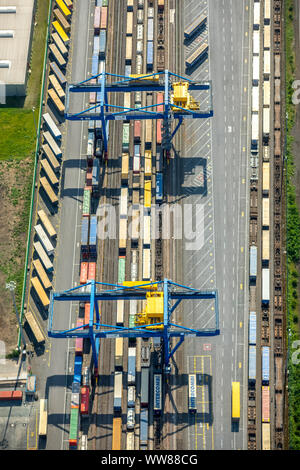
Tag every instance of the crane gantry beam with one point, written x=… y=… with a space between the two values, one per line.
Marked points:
x=155 y=82
x=167 y=329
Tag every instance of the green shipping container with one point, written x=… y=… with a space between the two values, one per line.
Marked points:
x=121 y=276
x=131 y=321
x=125 y=140
x=86 y=206
x=74 y=420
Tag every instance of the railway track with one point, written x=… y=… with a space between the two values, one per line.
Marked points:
x=265 y=419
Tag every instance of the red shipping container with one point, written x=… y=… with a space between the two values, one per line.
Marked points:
x=160 y=99
x=265 y=398
x=137 y=130
x=103 y=22
x=11 y=395
x=93 y=97
x=79 y=341
x=92 y=271
x=83 y=272
x=158 y=131
x=97 y=20
x=85 y=399
x=89 y=176
x=86 y=314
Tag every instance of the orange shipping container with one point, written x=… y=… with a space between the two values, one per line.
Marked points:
x=83 y=272
x=87 y=313
x=265 y=398
x=10 y=395
x=103 y=22
x=92 y=271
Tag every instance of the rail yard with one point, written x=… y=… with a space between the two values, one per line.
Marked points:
x=117 y=373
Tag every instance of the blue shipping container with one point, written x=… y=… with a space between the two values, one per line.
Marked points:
x=252 y=328
x=265 y=364
x=93 y=234
x=149 y=54
x=131 y=366
x=159 y=187
x=144 y=426
x=95 y=60
x=150 y=30
x=137 y=150
x=252 y=363
x=253 y=262
x=77 y=369
x=102 y=42
x=96 y=48
x=95 y=174
x=84 y=232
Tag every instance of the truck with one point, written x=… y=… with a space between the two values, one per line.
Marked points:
x=30 y=385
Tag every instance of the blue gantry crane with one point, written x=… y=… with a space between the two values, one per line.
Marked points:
x=171 y=294
x=178 y=103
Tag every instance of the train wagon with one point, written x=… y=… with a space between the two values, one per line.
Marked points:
x=118 y=391
x=147 y=193
x=117 y=434
x=192 y=393
x=97 y=19
x=43 y=297
x=265 y=436
x=69 y=4
x=144 y=428
x=35 y=327
x=123 y=202
x=198 y=55
x=74 y=428
x=125 y=166
x=145 y=386
x=265 y=247
x=43 y=418
x=157 y=394
x=122 y=234
x=131 y=366
x=253 y=262
x=267 y=11
x=256 y=18
x=119 y=353
x=252 y=328
x=266 y=212
x=56 y=100
x=120 y=312
x=265 y=373
x=197 y=24
x=265 y=298
x=128 y=53
x=148 y=163
x=235 y=401
x=129 y=23
x=103 y=21
x=252 y=364
x=146 y=264
x=159 y=187
x=265 y=404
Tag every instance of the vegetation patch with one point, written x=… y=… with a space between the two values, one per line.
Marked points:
x=293 y=237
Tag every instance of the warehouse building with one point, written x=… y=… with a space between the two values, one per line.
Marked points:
x=16 y=28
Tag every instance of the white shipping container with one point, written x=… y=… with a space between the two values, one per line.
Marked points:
x=265 y=285
x=267 y=62
x=256 y=20
x=266 y=212
x=267 y=93
x=267 y=37
x=266 y=121
x=256 y=41
x=255 y=70
x=255 y=127
x=255 y=99
x=139 y=32
x=123 y=201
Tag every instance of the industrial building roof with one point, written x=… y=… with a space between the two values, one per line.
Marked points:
x=15 y=32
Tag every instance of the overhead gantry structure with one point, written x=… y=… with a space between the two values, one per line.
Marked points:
x=162 y=297
x=178 y=103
